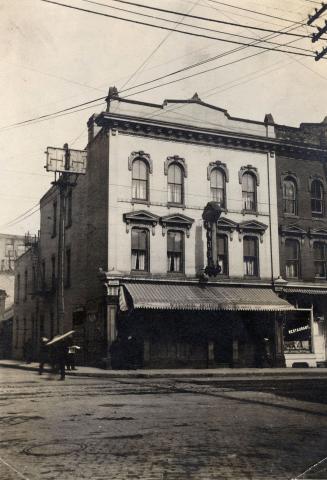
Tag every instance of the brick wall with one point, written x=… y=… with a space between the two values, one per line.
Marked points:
x=303 y=169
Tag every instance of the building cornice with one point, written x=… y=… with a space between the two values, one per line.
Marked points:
x=154 y=128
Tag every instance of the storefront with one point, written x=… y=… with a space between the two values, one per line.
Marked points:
x=305 y=328
x=180 y=325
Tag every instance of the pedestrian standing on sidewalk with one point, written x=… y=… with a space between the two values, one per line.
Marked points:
x=72 y=350
x=43 y=354
x=60 y=357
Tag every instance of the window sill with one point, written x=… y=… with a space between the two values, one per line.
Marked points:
x=176 y=205
x=176 y=274
x=251 y=277
x=139 y=200
x=250 y=212
x=318 y=216
x=290 y=215
x=140 y=273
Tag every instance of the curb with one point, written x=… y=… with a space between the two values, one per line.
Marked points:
x=226 y=374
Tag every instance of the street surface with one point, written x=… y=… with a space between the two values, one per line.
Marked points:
x=161 y=429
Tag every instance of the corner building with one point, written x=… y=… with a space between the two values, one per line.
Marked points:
x=151 y=171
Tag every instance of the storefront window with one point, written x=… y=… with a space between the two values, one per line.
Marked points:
x=297 y=332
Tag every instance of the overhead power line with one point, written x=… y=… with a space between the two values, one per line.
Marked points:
x=157 y=47
x=75 y=108
x=207 y=19
x=172 y=12
x=192 y=26
x=181 y=31
x=256 y=12
x=47 y=115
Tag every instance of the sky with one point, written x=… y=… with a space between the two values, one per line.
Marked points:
x=54 y=57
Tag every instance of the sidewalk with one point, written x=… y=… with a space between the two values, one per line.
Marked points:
x=219 y=373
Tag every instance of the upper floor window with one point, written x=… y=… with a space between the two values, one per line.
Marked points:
x=222 y=249
x=289 y=196
x=140 y=180
x=292 y=258
x=175 y=184
x=69 y=208
x=175 y=251
x=53 y=271
x=249 y=194
x=25 y=284
x=54 y=219
x=320 y=259
x=217 y=186
x=140 y=249
x=43 y=273
x=250 y=256
x=18 y=288
x=68 y=268
x=317 y=198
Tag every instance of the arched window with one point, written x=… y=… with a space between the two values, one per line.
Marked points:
x=292 y=258
x=289 y=196
x=175 y=184
x=317 y=198
x=249 y=194
x=217 y=186
x=140 y=180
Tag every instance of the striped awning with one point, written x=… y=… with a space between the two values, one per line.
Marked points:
x=195 y=297
x=307 y=291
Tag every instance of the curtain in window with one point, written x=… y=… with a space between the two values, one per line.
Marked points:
x=289 y=197
x=217 y=186
x=139 y=249
x=175 y=184
x=174 y=251
x=292 y=258
x=222 y=253
x=319 y=255
x=250 y=256
x=140 y=180
x=248 y=191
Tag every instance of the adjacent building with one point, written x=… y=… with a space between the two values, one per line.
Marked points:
x=137 y=245
x=301 y=190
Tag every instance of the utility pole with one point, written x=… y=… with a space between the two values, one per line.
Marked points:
x=66 y=162
x=321 y=30
x=317 y=14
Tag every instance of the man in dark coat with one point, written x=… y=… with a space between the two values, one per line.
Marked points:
x=60 y=350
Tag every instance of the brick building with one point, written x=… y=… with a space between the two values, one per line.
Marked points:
x=301 y=190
